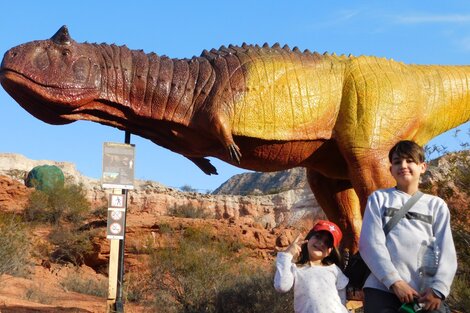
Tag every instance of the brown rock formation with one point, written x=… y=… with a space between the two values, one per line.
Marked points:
x=285 y=208
x=13 y=194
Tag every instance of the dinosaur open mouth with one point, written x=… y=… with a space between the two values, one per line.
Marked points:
x=46 y=103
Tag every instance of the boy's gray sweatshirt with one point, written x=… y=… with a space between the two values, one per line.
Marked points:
x=397 y=256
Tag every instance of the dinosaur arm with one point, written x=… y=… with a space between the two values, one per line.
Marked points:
x=205 y=165
x=224 y=133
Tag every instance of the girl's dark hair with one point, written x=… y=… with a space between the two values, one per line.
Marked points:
x=407 y=149
x=334 y=257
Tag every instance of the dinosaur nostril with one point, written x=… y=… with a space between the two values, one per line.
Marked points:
x=11 y=54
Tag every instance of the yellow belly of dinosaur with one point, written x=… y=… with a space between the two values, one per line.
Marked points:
x=286 y=101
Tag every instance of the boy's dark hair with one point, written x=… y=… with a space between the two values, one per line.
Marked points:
x=334 y=256
x=407 y=149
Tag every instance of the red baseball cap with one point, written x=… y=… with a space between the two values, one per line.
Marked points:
x=332 y=228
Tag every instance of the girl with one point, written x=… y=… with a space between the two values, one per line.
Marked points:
x=319 y=284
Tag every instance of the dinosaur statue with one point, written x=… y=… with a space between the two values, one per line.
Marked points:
x=259 y=108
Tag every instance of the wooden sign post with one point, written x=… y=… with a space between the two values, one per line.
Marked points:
x=118 y=174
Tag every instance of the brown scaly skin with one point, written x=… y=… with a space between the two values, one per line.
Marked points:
x=259 y=108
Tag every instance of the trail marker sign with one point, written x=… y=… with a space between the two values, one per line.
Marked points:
x=116 y=216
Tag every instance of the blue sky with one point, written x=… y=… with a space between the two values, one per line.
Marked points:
x=421 y=32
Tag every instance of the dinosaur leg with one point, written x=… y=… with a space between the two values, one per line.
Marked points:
x=340 y=203
x=368 y=125
x=368 y=172
x=223 y=132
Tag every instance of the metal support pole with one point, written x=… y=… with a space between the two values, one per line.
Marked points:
x=119 y=305
x=120 y=283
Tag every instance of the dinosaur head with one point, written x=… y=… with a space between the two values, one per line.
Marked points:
x=52 y=79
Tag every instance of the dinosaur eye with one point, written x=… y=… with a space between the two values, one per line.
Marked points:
x=65 y=52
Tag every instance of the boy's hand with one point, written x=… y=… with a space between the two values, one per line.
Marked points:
x=296 y=246
x=430 y=300
x=404 y=291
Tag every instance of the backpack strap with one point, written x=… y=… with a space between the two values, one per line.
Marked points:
x=402 y=212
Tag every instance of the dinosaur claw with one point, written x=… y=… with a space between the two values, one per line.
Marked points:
x=205 y=165
x=234 y=152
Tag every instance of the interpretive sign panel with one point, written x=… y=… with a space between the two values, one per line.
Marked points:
x=118 y=166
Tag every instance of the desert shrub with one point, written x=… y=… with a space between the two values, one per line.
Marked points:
x=140 y=246
x=14 y=245
x=37 y=207
x=254 y=293
x=100 y=212
x=461 y=235
x=209 y=274
x=37 y=293
x=165 y=228
x=95 y=287
x=60 y=203
x=41 y=249
x=459 y=297
x=71 y=245
x=187 y=188
x=186 y=278
x=459 y=176
x=188 y=211
x=462 y=170
x=136 y=287
x=17 y=174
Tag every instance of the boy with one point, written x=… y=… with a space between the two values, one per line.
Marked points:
x=394 y=260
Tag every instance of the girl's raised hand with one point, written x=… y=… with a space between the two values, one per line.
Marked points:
x=296 y=246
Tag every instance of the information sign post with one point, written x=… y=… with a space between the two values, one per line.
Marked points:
x=118 y=174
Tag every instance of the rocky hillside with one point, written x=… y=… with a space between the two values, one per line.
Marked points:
x=256 y=183
x=272 y=199
x=293 y=201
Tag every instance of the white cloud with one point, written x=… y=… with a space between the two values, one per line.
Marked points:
x=345 y=15
x=432 y=18
x=338 y=18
